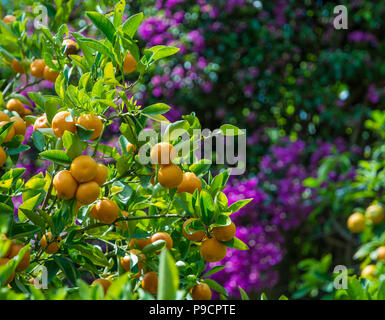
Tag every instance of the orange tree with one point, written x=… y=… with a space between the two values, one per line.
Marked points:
x=99 y=223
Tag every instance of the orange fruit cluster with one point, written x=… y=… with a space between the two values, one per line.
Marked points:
x=375 y=214
x=212 y=249
x=63 y=121
x=38 y=69
x=170 y=175
x=82 y=181
x=48 y=244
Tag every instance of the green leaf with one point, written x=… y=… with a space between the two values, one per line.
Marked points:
x=51 y=109
x=38 y=140
x=118 y=12
x=263 y=296
x=239 y=205
x=154 y=109
x=18 y=150
x=156 y=246
x=132 y=24
x=207 y=207
x=168 y=277
x=96 y=45
x=213 y=270
x=230 y=130
x=95 y=255
x=4 y=131
x=175 y=130
x=200 y=167
x=21 y=230
x=221 y=220
x=103 y=24
x=236 y=244
x=216 y=286
x=243 y=293
x=83 y=133
x=68 y=268
x=57 y=156
x=219 y=182
x=159 y=52
x=37 y=98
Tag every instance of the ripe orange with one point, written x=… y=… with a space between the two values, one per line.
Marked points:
x=130 y=147
x=170 y=176
x=37 y=68
x=129 y=64
x=3 y=262
x=3 y=156
x=150 y=282
x=24 y=263
x=162 y=153
x=125 y=262
x=16 y=66
x=356 y=222
x=53 y=247
x=105 y=283
x=375 y=213
x=4 y=117
x=189 y=183
x=65 y=185
x=83 y=168
x=381 y=253
x=11 y=132
x=225 y=233
x=101 y=174
x=50 y=75
x=201 y=292
x=19 y=125
x=196 y=236
x=106 y=211
x=163 y=236
x=61 y=122
x=88 y=192
x=91 y=122
x=41 y=122
x=8 y=19
x=369 y=271
x=71 y=47
x=212 y=250
x=15 y=105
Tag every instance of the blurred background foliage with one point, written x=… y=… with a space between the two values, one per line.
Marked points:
x=310 y=98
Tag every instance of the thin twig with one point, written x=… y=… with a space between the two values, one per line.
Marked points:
x=159 y=216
